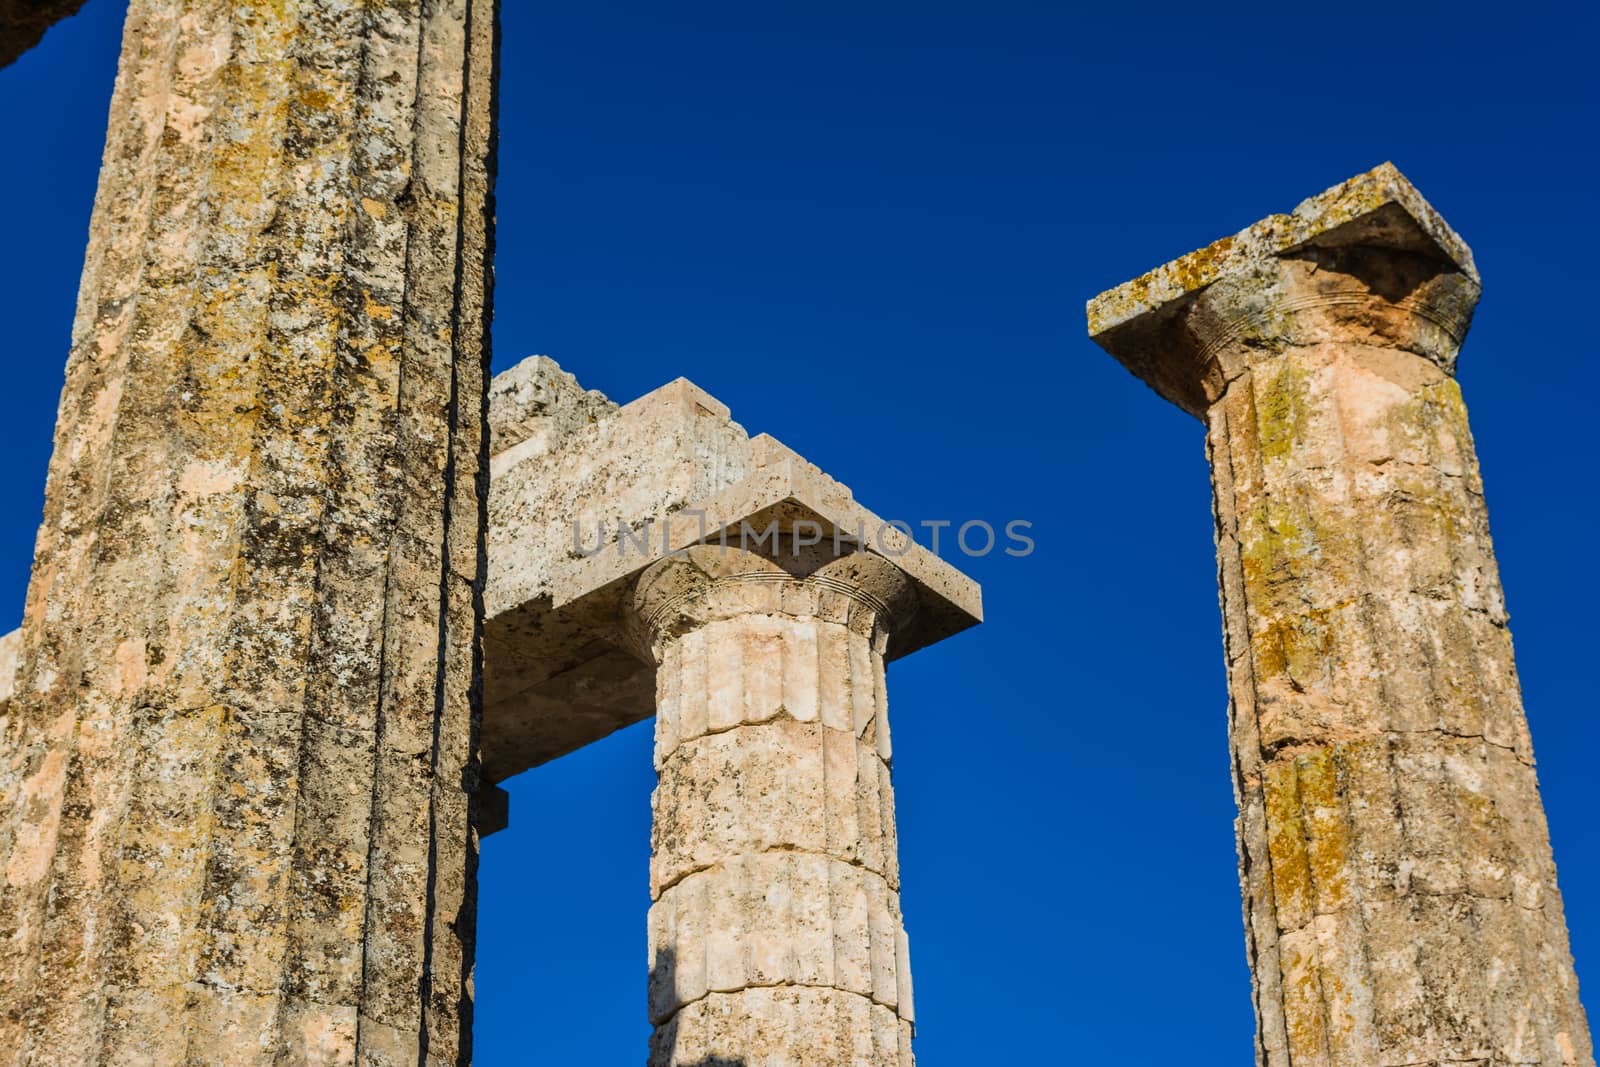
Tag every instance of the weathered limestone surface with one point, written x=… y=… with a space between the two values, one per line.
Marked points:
x=773 y=870
x=1400 y=895
x=23 y=23
x=237 y=767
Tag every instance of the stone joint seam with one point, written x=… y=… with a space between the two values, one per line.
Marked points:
x=781 y=716
x=666 y=1019
x=776 y=850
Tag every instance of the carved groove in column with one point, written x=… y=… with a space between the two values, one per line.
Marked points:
x=778 y=919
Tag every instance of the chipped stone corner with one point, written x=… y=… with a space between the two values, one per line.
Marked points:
x=534 y=405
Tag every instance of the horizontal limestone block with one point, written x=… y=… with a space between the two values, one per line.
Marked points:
x=568 y=465
x=784 y=1027
x=784 y=785
x=1378 y=206
x=781 y=918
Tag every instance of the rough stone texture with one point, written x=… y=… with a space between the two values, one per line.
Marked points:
x=557 y=674
x=10 y=645
x=23 y=23
x=535 y=406
x=775 y=933
x=1160 y=331
x=1400 y=895
x=670 y=469
x=237 y=767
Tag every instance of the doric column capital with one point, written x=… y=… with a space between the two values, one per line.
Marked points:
x=1368 y=262
x=852 y=588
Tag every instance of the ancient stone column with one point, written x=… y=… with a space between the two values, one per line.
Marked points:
x=236 y=770
x=1400 y=896
x=775 y=933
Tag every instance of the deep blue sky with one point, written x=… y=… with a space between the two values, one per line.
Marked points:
x=870 y=229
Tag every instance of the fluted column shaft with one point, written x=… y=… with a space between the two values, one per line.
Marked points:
x=1400 y=894
x=775 y=932
x=236 y=775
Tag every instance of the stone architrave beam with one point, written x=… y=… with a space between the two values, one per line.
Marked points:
x=1400 y=895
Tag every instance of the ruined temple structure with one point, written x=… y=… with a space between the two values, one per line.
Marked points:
x=250 y=738
x=649 y=559
x=1400 y=897
x=738 y=610
x=309 y=585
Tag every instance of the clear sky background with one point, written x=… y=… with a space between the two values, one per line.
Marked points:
x=870 y=229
